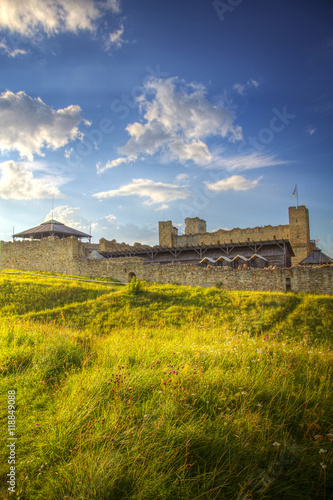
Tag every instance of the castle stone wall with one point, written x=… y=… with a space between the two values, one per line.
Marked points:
x=69 y=256
x=49 y=254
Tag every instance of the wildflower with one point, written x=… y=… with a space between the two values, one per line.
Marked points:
x=322 y=450
x=323 y=466
x=276 y=444
x=243 y=392
x=260 y=405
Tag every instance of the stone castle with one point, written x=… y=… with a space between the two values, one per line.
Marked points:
x=297 y=232
x=261 y=258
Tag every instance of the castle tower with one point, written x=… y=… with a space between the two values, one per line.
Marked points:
x=195 y=226
x=167 y=234
x=299 y=233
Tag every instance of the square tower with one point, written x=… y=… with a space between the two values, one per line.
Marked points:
x=195 y=226
x=167 y=233
x=299 y=233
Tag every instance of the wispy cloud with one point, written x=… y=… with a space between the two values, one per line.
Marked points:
x=114 y=163
x=115 y=40
x=311 y=130
x=162 y=207
x=241 y=88
x=235 y=182
x=28 y=125
x=244 y=162
x=154 y=192
x=182 y=177
x=10 y=52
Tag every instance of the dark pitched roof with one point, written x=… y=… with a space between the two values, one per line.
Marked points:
x=317 y=257
x=51 y=228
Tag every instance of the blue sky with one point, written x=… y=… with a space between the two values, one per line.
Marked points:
x=121 y=114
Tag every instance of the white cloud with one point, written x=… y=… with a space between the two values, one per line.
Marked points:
x=241 y=88
x=71 y=216
x=114 y=163
x=162 y=207
x=30 y=17
x=115 y=39
x=235 y=182
x=311 y=131
x=28 y=125
x=110 y=217
x=182 y=177
x=104 y=227
x=186 y=110
x=156 y=192
x=18 y=182
x=187 y=151
x=9 y=51
x=178 y=118
x=146 y=139
x=244 y=162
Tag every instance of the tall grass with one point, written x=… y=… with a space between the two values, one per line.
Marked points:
x=169 y=393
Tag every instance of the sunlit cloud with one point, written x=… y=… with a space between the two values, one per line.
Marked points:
x=177 y=120
x=30 y=17
x=28 y=125
x=154 y=192
x=235 y=182
x=18 y=182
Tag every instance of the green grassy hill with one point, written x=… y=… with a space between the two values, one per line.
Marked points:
x=167 y=392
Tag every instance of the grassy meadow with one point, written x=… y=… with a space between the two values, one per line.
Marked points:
x=165 y=392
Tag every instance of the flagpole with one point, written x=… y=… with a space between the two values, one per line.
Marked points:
x=295 y=194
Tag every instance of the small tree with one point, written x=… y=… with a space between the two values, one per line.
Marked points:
x=134 y=287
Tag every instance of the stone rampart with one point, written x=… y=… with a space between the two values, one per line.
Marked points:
x=266 y=233
x=69 y=256
x=49 y=254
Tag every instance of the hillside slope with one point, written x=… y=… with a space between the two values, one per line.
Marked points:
x=169 y=393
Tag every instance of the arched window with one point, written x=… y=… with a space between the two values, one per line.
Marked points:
x=130 y=277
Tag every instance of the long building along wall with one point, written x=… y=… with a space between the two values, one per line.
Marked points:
x=297 y=232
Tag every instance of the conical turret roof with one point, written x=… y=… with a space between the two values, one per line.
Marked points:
x=51 y=228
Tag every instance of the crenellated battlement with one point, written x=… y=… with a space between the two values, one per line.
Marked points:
x=297 y=232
